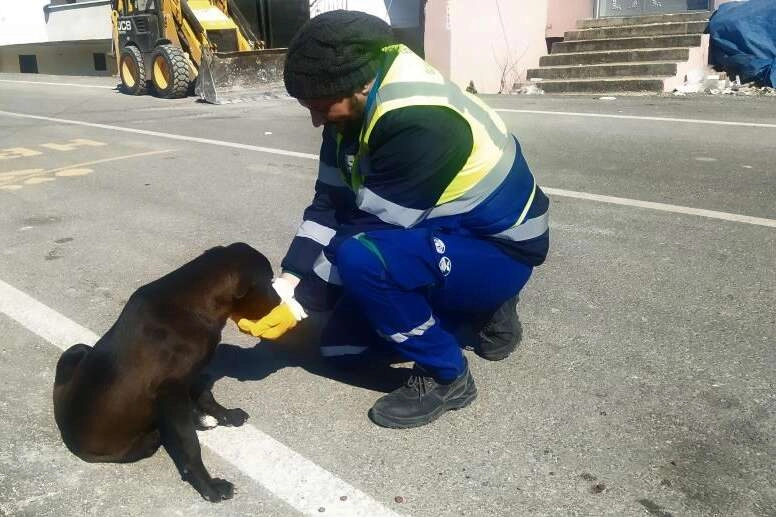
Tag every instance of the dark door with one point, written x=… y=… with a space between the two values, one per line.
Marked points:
x=28 y=64
x=285 y=17
x=275 y=21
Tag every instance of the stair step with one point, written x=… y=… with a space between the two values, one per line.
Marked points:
x=635 y=31
x=594 y=23
x=598 y=86
x=651 y=42
x=605 y=71
x=616 y=56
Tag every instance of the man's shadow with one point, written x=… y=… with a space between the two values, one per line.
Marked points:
x=299 y=348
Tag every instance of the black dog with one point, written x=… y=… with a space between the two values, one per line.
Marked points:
x=140 y=385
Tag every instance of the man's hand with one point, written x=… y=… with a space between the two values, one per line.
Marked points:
x=282 y=318
x=279 y=321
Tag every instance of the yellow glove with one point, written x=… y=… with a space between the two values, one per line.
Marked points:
x=281 y=319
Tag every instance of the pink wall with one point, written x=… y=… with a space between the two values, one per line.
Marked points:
x=485 y=42
x=563 y=15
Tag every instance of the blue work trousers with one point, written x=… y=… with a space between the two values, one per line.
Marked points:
x=406 y=290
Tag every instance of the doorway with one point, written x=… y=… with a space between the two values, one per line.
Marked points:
x=28 y=64
x=608 y=8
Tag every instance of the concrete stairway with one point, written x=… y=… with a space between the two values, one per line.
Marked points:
x=639 y=54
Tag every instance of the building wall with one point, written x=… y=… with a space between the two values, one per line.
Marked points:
x=563 y=15
x=507 y=39
x=63 y=37
x=80 y=21
x=65 y=58
x=438 y=35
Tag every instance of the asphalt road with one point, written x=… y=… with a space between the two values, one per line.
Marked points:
x=644 y=386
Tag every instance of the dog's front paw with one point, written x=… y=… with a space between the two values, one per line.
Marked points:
x=235 y=417
x=224 y=488
x=218 y=490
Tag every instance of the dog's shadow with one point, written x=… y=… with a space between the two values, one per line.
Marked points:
x=300 y=349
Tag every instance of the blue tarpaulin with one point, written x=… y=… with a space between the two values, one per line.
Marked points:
x=743 y=40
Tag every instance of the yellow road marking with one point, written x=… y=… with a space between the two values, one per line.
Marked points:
x=24 y=172
x=17 y=152
x=37 y=179
x=73 y=172
x=74 y=144
x=104 y=160
x=10 y=180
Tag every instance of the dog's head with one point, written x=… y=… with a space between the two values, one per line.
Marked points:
x=254 y=296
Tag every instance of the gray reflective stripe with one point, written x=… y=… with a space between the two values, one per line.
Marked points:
x=388 y=211
x=317 y=232
x=330 y=175
x=401 y=337
x=530 y=229
x=326 y=271
x=336 y=351
x=479 y=192
x=393 y=213
x=453 y=95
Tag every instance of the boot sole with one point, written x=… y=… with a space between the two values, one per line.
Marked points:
x=407 y=423
x=496 y=355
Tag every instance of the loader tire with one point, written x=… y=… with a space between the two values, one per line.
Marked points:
x=132 y=72
x=171 y=75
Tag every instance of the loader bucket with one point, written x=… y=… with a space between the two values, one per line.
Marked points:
x=227 y=77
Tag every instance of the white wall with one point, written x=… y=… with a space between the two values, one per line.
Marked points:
x=74 y=22
x=26 y=21
x=22 y=21
x=402 y=13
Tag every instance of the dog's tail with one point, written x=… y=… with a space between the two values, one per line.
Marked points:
x=68 y=363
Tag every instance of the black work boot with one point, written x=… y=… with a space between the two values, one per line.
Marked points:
x=500 y=335
x=422 y=400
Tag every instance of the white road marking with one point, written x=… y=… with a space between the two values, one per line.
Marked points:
x=79 y=85
x=291 y=477
x=552 y=191
x=725 y=216
x=504 y=110
x=637 y=117
x=171 y=136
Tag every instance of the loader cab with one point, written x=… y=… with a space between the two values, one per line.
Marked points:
x=138 y=23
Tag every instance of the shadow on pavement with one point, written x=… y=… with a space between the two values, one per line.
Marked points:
x=300 y=349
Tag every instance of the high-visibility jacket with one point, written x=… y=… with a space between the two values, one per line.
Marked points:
x=493 y=195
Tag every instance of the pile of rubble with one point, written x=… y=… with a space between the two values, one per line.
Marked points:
x=745 y=89
x=532 y=87
x=720 y=84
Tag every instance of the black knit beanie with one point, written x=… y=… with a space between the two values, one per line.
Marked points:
x=335 y=54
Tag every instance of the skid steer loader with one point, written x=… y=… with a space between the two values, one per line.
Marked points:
x=204 y=45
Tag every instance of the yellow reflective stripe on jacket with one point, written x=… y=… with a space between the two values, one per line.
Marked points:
x=410 y=81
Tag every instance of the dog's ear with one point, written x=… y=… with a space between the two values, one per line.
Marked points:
x=244 y=284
